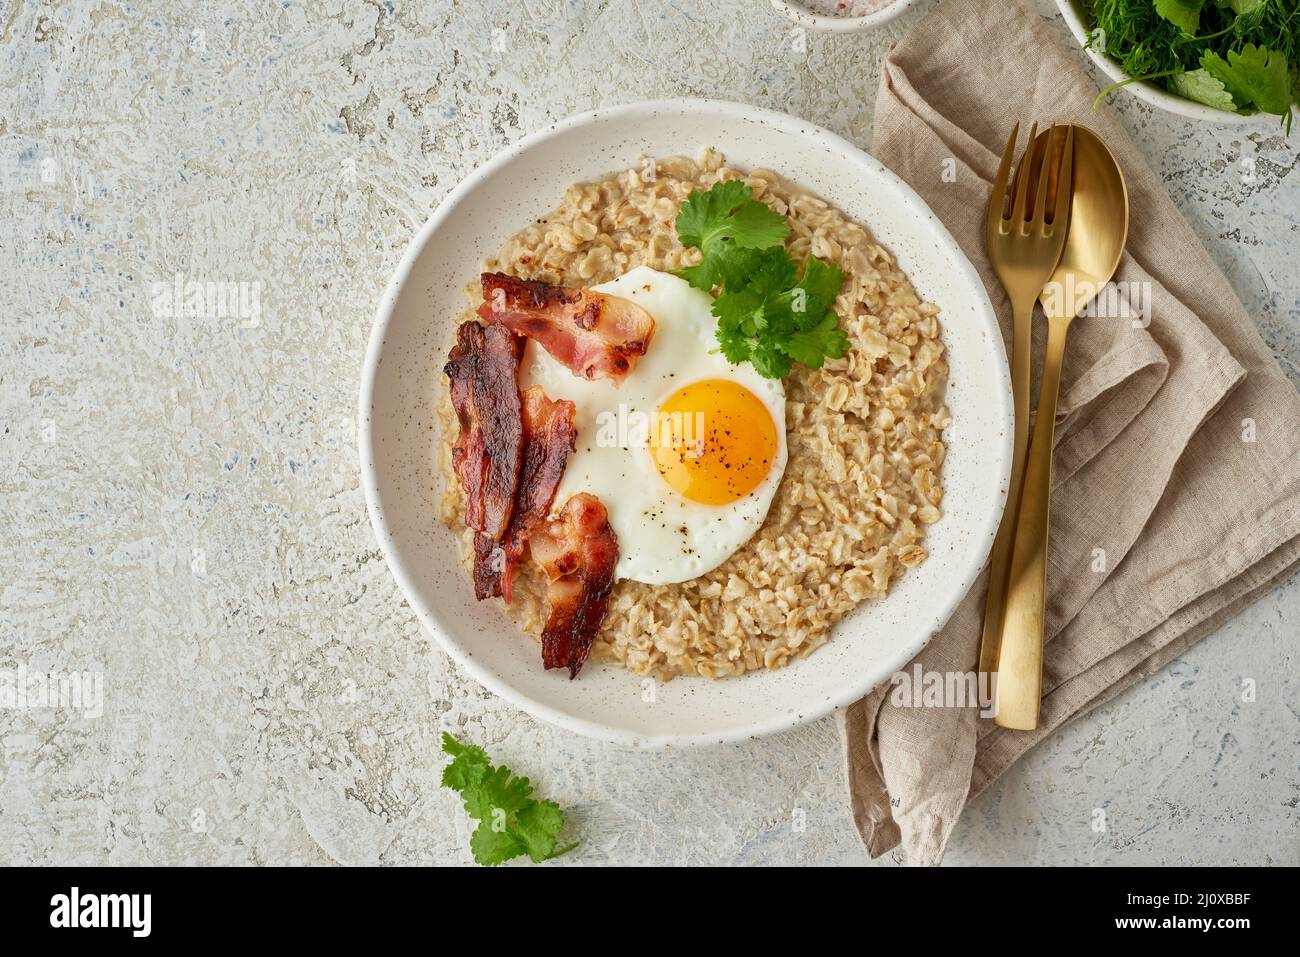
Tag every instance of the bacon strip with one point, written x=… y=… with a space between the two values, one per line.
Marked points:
x=510 y=456
x=489 y=561
x=468 y=456
x=578 y=551
x=483 y=368
x=594 y=335
x=549 y=436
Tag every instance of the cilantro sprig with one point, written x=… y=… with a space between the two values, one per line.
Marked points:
x=768 y=313
x=511 y=822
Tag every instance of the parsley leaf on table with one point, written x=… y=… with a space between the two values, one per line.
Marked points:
x=768 y=314
x=511 y=822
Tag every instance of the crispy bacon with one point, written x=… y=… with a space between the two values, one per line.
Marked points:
x=510 y=456
x=578 y=551
x=483 y=368
x=489 y=561
x=549 y=436
x=594 y=335
x=467 y=455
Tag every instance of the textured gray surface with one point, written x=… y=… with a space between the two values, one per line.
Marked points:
x=180 y=495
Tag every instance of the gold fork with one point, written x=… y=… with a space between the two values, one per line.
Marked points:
x=1024 y=247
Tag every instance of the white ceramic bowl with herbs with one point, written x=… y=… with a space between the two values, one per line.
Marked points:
x=1222 y=61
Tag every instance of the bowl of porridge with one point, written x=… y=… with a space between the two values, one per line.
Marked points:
x=841 y=15
x=879 y=469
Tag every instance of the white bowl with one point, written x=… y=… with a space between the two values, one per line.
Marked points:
x=1076 y=19
x=804 y=16
x=402 y=377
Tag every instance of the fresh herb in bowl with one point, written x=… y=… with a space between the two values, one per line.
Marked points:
x=1239 y=56
x=768 y=314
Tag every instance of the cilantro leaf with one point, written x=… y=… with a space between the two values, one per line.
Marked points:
x=1200 y=89
x=1184 y=14
x=498 y=792
x=768 y=361
x=754 y=226
x=1261 y=74
x=739 y=310
x=812 y=346
x=771 y=271
x=469 y=764
x=536 y=827
x=732 y=229
x=735 y=312
x=491 y=847
x=821 y=282
x=804 y=306
x=511 y=822
x=1202 y=86
x=728 y=212
x=734 y=345
x=726 y=264
x=697 y=219
x=768 y=313
x=704 y=275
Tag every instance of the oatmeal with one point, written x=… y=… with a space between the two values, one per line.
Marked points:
x=864 y=434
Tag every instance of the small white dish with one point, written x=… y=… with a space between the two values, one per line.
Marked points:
x=402 y=378
x=1076 y=19
x=804 y=16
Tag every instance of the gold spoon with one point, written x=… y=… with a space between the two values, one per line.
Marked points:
x=1097 y=232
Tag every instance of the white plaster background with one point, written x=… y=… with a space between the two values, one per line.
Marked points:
x=179 y=497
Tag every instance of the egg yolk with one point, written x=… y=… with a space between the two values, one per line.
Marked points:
x=714 y=441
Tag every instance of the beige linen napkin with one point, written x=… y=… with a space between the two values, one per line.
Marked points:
x=1178 y=444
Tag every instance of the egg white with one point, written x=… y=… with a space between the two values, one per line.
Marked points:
x=663 y=537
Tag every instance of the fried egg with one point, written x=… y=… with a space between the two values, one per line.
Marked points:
x=686 y=453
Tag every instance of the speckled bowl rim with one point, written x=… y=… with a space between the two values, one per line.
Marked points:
x=966 y=574
x=1073 y=14
x=801 y=15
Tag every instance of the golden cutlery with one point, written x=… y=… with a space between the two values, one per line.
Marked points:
x=1098 y=228
x=1024 y=246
